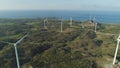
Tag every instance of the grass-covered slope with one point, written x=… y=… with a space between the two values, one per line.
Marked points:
x=75 y=47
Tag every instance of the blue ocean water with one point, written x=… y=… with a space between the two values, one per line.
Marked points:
x=101 y=16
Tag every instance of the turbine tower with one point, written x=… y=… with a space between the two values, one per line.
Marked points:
x=95 y=27
x=15 y=47
x=91 y=20
x=71 y=21
x=45 y=20
x=118 y=41
x=95 y=24
x=61 y=25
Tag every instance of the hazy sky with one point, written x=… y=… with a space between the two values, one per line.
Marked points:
x=59 y=4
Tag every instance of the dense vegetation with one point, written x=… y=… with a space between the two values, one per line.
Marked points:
x=75 y=47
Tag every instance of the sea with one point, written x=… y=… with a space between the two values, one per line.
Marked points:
x=99 y=16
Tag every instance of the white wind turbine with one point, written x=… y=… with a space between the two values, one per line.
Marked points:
x=118 y=41
x=95 y=24
x=91 y=20
x=61 y=25
x=45 y=21
x=15 y=47
x=71 y=21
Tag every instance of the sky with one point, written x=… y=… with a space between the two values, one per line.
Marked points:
x=60 y=5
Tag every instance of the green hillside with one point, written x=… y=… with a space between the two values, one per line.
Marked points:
x=75 y=47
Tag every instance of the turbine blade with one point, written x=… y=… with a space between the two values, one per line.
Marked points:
x=21 y=39
x=118 y=37
x=6 y=42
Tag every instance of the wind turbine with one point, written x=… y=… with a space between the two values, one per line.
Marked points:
x=45 y=20
x=61 y=25
x=15 y=47
x=71 y=21
x=95 y=27
x=91 y=20
x=118 y=41
x=95 y=24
